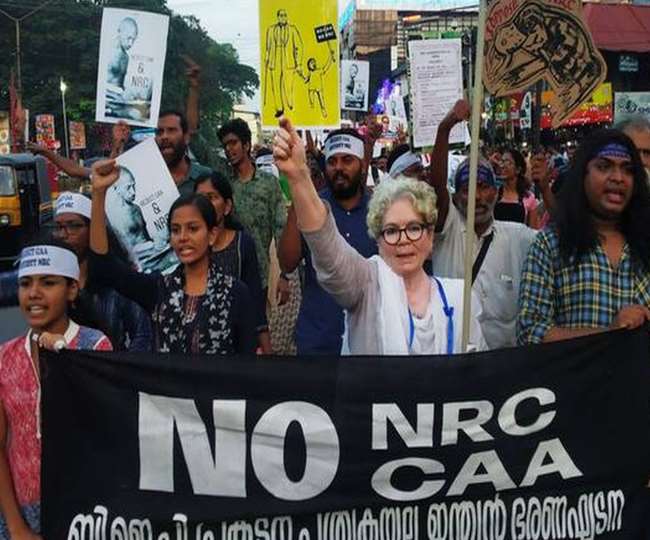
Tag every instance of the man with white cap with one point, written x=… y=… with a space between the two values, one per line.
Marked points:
x=127 y=323
x=320 y=325
x=500 y=248
x=404 y=162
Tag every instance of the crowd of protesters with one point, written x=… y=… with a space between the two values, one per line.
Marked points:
x=369 y=255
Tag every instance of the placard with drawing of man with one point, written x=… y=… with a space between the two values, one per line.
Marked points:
x=137 y=207
x=131 y=62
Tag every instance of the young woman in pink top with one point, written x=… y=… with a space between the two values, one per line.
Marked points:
x=48 y=285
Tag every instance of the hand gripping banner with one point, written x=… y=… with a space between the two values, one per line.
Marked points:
x=545 y=442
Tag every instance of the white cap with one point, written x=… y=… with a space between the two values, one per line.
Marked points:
x=48 y=260
x=70 y=202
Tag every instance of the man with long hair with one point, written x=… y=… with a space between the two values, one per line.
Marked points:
x=590 y=270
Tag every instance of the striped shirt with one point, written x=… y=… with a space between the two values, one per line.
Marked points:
x=585 y=295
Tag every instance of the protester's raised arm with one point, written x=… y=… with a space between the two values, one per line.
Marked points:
x=290 y=159
x=67 y=165
x=104 y=174
x=439 y=155
x=373 y=134
x=193 y=75
x=290 y=245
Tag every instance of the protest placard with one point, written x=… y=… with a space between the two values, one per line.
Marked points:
x=299 y=63
x=540 y=442
x=530 y=40
x=355 y=81
x=5 y=133
x=628 y=104
x=77 y=136
x=131 y=64
x=45 y=134
x=436 y=83
x=137 y=207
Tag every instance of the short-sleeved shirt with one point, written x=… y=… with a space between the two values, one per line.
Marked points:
x=497 y=283
x=261 y=209
x=586 y=294
x=196 y=171
x=320 y=324
x=19 y=396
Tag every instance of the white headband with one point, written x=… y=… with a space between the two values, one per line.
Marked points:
x=73 y=203
x=265 y=160
x=344 y=144
x=266 y=163
x=48 y=260
x=403 y=162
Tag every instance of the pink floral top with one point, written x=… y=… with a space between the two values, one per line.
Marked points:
x=19 y=393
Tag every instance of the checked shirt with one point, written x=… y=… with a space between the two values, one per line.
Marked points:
x=584 y=295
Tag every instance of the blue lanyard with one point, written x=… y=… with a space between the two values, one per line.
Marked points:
x=449 y=313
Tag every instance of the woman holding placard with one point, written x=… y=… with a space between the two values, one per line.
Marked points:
x=196 y=309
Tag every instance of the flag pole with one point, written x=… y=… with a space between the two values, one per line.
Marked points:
x=477 y=105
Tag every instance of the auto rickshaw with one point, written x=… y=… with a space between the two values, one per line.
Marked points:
x=25 y=202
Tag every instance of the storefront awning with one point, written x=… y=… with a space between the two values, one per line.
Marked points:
x=619 y=27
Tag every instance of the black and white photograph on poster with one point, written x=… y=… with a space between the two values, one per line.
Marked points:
x=131 y=63
x=137 y=207
x=355 y=78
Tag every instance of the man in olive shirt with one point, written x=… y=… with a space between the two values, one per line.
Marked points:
x=172 y=138
x=259 y=204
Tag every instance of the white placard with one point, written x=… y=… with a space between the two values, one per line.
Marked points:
x=131 y=63
x=137 y=207
x=355 y=82
x=436 y=83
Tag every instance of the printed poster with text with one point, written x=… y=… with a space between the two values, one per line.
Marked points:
x=131 y=64
x=299 y=63
x=437 y=83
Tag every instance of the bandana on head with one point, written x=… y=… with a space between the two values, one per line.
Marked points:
x=69 y=202
x=267 y=164
x=48 y=260
x=614 y=150
x=344 y=144
x=265 y=160
x=485 y=175
x=402 y=163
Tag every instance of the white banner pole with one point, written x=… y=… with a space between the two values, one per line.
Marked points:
x=477 y=104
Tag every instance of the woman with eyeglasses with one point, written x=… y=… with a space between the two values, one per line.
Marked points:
x=392 y=306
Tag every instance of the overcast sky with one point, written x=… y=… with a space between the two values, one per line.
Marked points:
x=230 y=21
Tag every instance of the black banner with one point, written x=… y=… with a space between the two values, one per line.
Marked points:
x=543 y=442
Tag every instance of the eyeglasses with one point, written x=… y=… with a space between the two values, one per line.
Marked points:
x=413 y=232
x=68 y=228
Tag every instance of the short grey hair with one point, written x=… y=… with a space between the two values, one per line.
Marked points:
x=421 y=195
x=635 y=122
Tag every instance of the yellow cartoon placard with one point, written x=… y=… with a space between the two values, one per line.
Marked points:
x=530 y=40
x=299 y=63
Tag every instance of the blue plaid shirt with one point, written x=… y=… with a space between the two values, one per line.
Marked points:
x=584 y=295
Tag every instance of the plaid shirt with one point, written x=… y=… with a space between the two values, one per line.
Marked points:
x=584 y=295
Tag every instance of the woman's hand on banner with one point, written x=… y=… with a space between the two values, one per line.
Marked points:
x=52 y=342
x=631 y=317
x=289 y=152
x=25 y=534
x=104 y=174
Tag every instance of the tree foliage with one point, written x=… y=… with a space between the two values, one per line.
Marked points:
x=62 y=41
